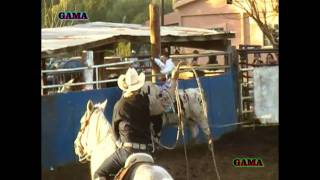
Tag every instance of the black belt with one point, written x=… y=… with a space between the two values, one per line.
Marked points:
x=137 y=146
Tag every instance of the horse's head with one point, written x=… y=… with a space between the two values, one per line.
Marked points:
x=93 y=130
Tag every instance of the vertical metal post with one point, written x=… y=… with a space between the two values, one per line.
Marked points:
x=97 y=78
x=241 y=100
x=88 y=73
x=43 y=76
x=42 y=84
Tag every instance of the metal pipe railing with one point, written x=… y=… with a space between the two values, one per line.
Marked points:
x=175 y=56
x=186 y=69
x=98 y=82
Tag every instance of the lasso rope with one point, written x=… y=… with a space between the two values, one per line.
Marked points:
x=204 y=106
x=180 y=123
x=179 y=129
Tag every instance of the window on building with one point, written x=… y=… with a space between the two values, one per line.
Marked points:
x=219 y=29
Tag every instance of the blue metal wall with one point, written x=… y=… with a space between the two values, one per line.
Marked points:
x=61 y=115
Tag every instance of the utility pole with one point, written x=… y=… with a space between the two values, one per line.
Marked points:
x=155 y=38
x=162 y=12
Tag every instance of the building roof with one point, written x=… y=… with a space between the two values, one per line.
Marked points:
x=179 y=3
x=96 y=34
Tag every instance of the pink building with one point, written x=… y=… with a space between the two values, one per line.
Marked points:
x=218 y=15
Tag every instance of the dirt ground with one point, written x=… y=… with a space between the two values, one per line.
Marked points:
x=246 y=142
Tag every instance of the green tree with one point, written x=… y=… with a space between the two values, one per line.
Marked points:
x=120 y=11
x=259 y=11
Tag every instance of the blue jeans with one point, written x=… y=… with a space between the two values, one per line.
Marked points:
x=110 y=166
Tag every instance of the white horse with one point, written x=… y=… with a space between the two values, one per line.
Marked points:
x=96 y=142
x=192 y=106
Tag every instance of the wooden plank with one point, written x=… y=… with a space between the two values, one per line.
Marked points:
x=155 y=40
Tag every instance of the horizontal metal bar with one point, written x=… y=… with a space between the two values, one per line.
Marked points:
x=121 y=58
x=207 y=67
x=252 y=51
x=112 y=64
x=86 y=83
x=143 y=60
x=92 y=67
x=116 y=68
x=246 y=69
x=84 y=68
x=246 y=97
x=78 y=84
x=111 y=57
x=64 y=70
x=260 y=125
x=227 y=125
x=186 y=69
x=248 y=111
x=247 y=83
x=197 y=55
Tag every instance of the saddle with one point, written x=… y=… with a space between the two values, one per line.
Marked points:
x=133 y=161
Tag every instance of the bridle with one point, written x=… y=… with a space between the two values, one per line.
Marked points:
x=85 y=157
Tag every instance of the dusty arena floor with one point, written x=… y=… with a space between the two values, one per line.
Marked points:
x=245 y=142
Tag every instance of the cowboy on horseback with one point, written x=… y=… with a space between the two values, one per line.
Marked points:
x=135 y=115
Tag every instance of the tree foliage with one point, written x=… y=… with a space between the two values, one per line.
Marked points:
x=120 y=11
x=260 y=11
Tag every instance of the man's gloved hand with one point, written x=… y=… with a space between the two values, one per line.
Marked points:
x=175 y=72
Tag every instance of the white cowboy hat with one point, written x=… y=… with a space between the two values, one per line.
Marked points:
x=131 y=81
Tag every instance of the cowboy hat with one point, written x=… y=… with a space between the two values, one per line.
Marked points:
x=131 y=81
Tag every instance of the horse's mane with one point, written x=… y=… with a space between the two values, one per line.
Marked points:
x=94 y=129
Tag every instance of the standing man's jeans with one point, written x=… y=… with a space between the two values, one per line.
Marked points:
x=110 y=167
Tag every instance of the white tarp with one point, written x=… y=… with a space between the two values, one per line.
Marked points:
x=266 y=94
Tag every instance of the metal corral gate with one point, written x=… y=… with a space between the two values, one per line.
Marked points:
x=61 y=113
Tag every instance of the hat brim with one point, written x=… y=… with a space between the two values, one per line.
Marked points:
x=123 y=86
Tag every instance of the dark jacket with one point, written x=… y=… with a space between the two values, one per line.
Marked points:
x=131 y=119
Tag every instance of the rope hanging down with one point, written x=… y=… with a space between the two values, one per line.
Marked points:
x=204 y=106
x=178 y=130
x=181 y=124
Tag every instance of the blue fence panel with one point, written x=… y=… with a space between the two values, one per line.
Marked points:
x=61 y=115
